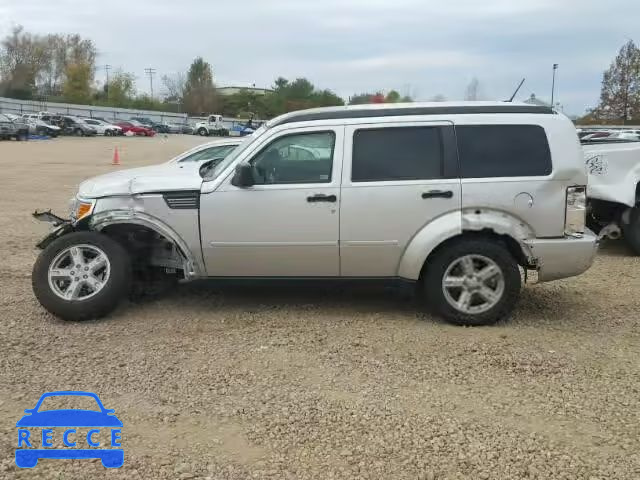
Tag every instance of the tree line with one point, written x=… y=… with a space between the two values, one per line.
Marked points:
x=62 y=68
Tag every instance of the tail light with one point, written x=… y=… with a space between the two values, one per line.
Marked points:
x=575 y=211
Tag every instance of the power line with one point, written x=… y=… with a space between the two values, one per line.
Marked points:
x=150 y=72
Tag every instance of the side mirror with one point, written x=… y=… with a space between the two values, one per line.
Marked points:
x=243 y=177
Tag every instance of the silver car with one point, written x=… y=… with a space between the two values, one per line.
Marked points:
x=453 y=198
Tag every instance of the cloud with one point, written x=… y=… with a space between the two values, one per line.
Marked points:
x=423 y=47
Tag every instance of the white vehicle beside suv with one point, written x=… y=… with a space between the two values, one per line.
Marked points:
x=103 y=128
x=614 y=188
x=454 y=199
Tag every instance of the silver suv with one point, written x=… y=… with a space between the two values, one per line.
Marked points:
x=454 y=198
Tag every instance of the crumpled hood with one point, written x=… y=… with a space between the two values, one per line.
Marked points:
x=157 y=178
x=614 y=171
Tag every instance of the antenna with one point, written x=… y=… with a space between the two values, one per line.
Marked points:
x=516 y=92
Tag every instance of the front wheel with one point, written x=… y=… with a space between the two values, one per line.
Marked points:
x=472 y=282
x=202 y=132
x=81 y=276
x=631 y=230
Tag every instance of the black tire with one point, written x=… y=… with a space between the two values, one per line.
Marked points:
x=632 y=230
x=107 y=133
x=22 y=136
x=202 y=132
x=437 y=267
x=78 y=132
x=105 y=300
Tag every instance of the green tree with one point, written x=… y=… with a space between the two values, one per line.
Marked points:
x=199 y=89
x=121 y=89
x=392 y=97
x=361 y=98
x=77 y=85
x=620 y=94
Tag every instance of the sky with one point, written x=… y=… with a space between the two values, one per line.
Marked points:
x=422 y=48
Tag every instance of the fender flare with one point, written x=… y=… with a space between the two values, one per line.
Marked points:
x=192 y=269
x=456 y=223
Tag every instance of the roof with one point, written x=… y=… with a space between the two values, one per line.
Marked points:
x=406 y=109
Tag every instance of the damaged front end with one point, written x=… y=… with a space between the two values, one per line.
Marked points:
x=61 y=227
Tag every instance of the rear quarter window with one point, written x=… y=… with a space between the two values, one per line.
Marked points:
x=503 y=151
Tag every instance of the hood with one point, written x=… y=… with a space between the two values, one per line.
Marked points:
x=157 y=178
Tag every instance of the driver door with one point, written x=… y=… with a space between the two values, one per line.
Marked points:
x=287 y=223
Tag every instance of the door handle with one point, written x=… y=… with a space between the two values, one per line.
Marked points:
x=322 y=198
x=438 y=194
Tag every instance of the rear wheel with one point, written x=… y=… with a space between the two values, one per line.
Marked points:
x=632 y=230
x=81 y=276
x=472 y=282
x=77 y=132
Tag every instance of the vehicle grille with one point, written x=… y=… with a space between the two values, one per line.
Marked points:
x=183 y=200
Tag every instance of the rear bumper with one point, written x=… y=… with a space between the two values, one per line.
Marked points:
x=557 y=258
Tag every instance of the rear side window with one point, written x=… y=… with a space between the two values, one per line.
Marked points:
x=397 y=153
x=503 y=151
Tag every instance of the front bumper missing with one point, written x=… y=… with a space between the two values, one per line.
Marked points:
x=61 y=227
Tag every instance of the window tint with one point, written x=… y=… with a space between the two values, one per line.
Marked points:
x=300 y=158
x=503 y=151
x=404 y=153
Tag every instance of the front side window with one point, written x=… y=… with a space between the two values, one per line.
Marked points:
x=397 y=153
x=503 y=151
x=297 y=158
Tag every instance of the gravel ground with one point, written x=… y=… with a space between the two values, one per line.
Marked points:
x=318 y=383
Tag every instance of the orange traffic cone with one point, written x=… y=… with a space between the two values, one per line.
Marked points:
x=116 y=157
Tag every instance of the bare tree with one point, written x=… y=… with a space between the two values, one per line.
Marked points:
x=620 y=94
x=22 y=55
x=175 y=86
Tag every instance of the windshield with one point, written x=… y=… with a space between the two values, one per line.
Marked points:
x=64 y=402
x=220 y=167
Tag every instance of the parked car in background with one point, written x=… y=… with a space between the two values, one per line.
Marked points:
x=76 y=126
x=452 y=198
x=180 y=128
x=157 y=127
x=37 y=126
x=212 y=151
x=10 y=128
x=135 y=128
x=103 y=128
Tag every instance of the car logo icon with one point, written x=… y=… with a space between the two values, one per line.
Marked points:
x=73 y=422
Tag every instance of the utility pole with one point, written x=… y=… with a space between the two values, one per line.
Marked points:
x=553 y=84
x=150 y=72
x=107 y=67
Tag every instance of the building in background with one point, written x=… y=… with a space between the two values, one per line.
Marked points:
x=231 y=90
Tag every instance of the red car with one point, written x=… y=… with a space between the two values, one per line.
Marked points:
x=135 y=127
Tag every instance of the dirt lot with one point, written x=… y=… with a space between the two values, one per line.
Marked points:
x=317 y=383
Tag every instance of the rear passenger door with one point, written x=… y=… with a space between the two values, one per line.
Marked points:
x=397 y=178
